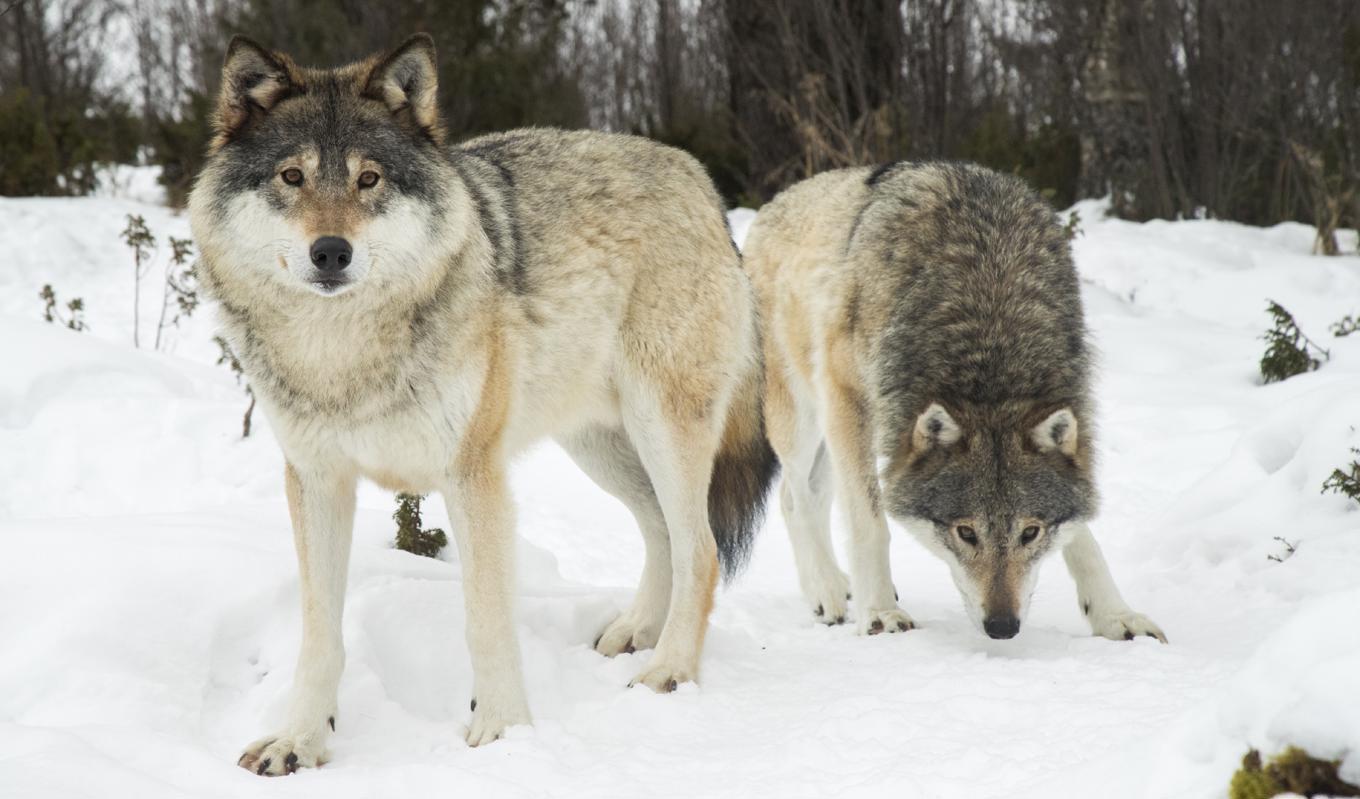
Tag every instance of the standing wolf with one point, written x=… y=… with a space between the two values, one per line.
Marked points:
x=929 y=315
x=416 y=314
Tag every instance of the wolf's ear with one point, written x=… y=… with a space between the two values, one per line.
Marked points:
x=1057 y=433
x=935 y=428
x=254 y=80
x=406 y=80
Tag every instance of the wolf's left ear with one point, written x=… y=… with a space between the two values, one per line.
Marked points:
x=407 y=81
x=1057 y=433
x=254 y=80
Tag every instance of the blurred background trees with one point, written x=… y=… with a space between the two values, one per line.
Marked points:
x=1237 y=109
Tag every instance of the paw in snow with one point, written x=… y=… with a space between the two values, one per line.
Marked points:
x=283 y=754
x=829 y=596
x=627 y=633
x=892 y=620
x=489 y=722
x=1124 y=625
x=663 y=677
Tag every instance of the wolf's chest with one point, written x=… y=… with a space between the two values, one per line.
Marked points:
x=409 y=447
x=412 y=449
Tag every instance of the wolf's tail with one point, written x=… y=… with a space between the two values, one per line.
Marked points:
x=742 y=473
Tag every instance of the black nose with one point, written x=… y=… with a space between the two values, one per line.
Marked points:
x=331 y=253
x=1001 y=626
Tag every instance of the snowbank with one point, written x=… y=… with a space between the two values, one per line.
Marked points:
x=148 y=592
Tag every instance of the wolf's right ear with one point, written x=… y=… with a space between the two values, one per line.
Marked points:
x=254 y=80
x=935 y=428
x=407 y=82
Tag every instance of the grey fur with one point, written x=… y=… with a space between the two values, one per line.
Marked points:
x=986 y=319
x=929 y=315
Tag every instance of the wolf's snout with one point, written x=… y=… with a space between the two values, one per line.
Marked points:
x=1001 y=626
x=331 y=253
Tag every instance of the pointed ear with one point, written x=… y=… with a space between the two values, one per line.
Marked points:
x=1057 y=432
x=407 y=82
x=254 y=80
x=935 y=428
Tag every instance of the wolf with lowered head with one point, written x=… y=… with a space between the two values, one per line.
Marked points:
x=926 y=358
x=416 y=313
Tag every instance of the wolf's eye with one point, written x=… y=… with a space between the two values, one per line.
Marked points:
x=292 y=176
x=368 y=179
x=967 y=534
x=1030 y=533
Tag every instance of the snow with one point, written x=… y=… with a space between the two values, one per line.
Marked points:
x=148 y=592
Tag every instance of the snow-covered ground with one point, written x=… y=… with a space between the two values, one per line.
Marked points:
x=148 y=594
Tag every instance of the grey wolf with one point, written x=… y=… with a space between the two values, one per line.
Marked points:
x=416 y=313
x=926 y=317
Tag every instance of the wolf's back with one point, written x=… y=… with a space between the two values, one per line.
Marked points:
x=988 y=308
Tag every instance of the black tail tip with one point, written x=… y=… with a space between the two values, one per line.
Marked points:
x=736 y=501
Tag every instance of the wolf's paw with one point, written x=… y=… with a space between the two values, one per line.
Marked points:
x=1125 y=625
x=627 y=634
x=278 y=755
x=489 y=723
x=893 y=620
x=829 y=596
x=663 y=677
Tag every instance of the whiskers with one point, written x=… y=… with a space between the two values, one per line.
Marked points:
x=379 y=252
x=281 y=248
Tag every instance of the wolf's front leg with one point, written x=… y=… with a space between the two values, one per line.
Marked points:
x=850 y=441
x=483 y=525
x=321 y=504
x=1098 y=596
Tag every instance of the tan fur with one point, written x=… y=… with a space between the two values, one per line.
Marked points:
x=292 y=488
x=483 y=440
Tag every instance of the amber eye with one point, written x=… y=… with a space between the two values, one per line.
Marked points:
x=967 y=534
x=292 y=176
x=1030 y=533
x=368 y=179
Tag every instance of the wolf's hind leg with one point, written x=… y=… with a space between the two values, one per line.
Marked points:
x=1098 y=596
x=608 y=458
x=678 y=455
x=321 y=504
x=805 y=499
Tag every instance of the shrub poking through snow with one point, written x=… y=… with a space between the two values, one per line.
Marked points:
x=181 y=286
x=228 y=358
x=410 y=537
x=1348 y=325
x=138 y=238
x=1345 y=481
x=1291 y=771
x=1288 y=351
x=75 y=310
x=1289 y=549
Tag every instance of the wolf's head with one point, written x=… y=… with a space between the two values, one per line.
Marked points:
x=325 y=183
x=996 y=489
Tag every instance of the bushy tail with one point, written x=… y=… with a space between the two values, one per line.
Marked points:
x=742 y=473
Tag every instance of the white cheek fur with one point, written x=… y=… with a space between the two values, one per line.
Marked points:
x=396 y=243
x=250 y=218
